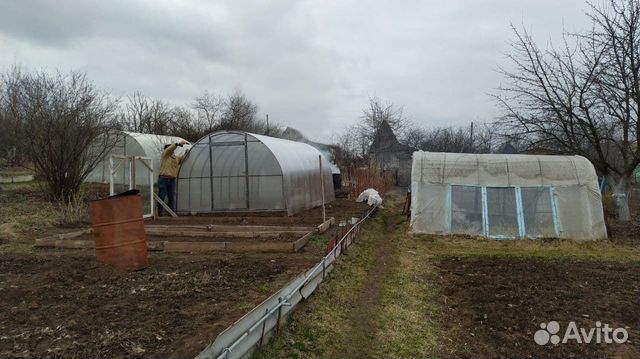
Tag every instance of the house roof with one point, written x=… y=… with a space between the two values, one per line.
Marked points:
x=385 y=140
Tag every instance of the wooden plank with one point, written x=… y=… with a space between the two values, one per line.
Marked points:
x=263 y=247
x=164 y=205
x=194 y=246
x=227 y=228
x=323 y=227
x=240 y=220
x=75 y=244
x=192 y=233
x=301 y=242
x=64 y=243
x=68 y=234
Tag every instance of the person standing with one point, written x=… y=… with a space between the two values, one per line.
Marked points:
x=169 y=166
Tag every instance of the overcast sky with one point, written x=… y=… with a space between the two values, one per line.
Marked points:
x=308 y=64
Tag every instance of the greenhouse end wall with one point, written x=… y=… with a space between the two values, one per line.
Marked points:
x=232 y=171
x=506 y=196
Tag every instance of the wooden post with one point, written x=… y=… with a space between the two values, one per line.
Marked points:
x=324 y=214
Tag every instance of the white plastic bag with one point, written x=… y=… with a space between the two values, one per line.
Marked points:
x=371 y=196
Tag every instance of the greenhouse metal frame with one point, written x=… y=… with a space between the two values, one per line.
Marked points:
x=233 y=171
x=506 y=196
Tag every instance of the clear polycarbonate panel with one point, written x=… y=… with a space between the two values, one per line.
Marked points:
x=266 y=193
x=120 y=175
x=538 y=211
x=228 y=161
x=229 y=193
x=303 y=179
x=199 y=193
x=502 y=212
x=261 y=160
x=197 y=163
x=466 y=209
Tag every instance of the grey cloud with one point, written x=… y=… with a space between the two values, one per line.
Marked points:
x=309 y=64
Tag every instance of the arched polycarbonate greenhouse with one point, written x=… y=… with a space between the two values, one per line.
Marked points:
x=506 y=196
x=244 y=172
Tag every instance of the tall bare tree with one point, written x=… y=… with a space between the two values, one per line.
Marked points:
x=239 y=113
x=12 y=147
x=147 y=115
x=209 y=108
x=584 y=97
x=68 y=126
x=378 y=111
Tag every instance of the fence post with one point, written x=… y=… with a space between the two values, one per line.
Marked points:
x=279 y=315
x=264 y=324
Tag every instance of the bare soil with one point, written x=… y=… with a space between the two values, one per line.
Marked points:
x=493 y=306
x=68 y=305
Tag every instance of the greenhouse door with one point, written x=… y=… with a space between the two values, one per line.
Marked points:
x=229 y=176
x=504 y=212
x=133 y=172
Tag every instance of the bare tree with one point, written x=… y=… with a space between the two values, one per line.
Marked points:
x=146 y=115
x=183 y=124
x=378 y=111
x=468 y=139
x=239 y=113
x=68 y=126
x=12 y=147
x=583 y=98
x=209 y=108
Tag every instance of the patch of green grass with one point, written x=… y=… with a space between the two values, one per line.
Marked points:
x=265 y=288
x=26 y=214
x=409 y=328
x=318 y=241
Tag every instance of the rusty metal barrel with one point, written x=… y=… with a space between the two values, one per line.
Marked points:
x=118 y=229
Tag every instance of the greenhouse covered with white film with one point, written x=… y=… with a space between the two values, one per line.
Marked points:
x=134 y=144
x=231 y=171
x=506 y=196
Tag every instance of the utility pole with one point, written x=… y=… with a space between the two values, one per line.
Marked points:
x=267 y=124
x=471 y=146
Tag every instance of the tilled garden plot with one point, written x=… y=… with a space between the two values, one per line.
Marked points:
x=493 y=306
x=69 y=305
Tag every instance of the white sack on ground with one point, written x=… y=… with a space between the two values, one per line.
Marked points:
x=371 y=196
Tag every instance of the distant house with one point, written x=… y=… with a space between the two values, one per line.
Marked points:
x=390 y=156
x=507 y=149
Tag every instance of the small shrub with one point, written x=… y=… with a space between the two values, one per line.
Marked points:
x=363 y=178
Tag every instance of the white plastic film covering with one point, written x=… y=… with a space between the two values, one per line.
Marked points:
x=239 y=171
x=135 y=144
x=506 y=196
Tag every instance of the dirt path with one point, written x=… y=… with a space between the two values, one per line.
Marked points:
x=374 y=306
x=364 y=318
